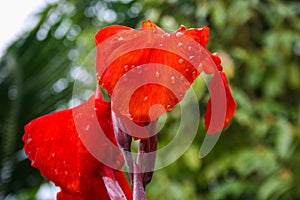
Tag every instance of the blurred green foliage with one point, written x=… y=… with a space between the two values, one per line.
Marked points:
x=259 y=43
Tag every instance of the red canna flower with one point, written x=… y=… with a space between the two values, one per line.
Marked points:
x=52 y=143
x=147 y=72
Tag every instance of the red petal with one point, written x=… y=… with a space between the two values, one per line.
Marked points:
x=52 y=143
x=200 y=35
x=124 y=184
x=109 y=31
x=116 y=183
x=147 y=72
x=221 y=105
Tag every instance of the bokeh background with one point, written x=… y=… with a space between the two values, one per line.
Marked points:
x=257 y=156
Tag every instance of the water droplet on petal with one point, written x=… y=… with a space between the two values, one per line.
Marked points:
x=125 y=77
x=120 y=38
x=87 y=127
x=191 y=57
x=169 y=106
x=55 y=171
x=145 y=98
x=180 y=60
x=53 y=155
x=126 y=68
x=173 y=80
x=157 y=74
x=179 y=34
x=66 y=172
x=194 y=74
x=139 y=69
x=160 y=44
x=180 y=44
x=187 y=69
x=189 y=48
x=182 y=78
x=29 y=140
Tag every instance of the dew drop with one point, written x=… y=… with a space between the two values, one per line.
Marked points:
x=126 y=68
x=194 y=74
x=168 y=35
x=179 y=34
x=187 y=69
x=200 y=65
x=168 y=106
x=182 y=78
x=173 y=81
x=139 y=69
x=145 y=98
x=66 y=172
x=55 y=171
x=29 y=140
x=53 y=155
x=180 y=60
x=120 y=38
x=180 y=44
x=160 y=44
x=87 y=127
x=191 y=57
x=124 y=77
x=189 y=48
x=157 y=74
